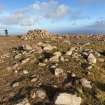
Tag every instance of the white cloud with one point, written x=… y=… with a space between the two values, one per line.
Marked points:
x=19 y=19
x=29 y=21
x=35 y=6
x=60 y=11
x=52 y=9
x=40 y=5
x=35 y=13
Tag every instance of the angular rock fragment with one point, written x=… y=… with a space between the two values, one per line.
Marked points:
x=42 y=64
x=40 y=93
x=70 y=51
x=28 y=47
x=54 y=59
x=25 y=72
x=85 y=83
x=16 y=84
x=91 y=59
x=48 y=47
x=25 y=60
x=57 y=54
x=59 y=72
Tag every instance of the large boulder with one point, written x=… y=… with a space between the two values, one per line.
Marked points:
x=67 y=99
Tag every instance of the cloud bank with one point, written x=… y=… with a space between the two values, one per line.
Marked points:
x=36 y=13
x=91 y=1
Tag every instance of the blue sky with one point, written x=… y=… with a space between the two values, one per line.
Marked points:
x=19 y=16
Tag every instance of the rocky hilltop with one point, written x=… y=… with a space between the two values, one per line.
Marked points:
x=69 y=70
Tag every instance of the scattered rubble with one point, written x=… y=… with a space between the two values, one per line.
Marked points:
x=48 y=72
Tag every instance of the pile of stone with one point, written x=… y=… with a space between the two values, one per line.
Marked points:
x=37 y=34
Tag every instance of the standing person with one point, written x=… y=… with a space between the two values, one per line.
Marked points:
x=6 y=32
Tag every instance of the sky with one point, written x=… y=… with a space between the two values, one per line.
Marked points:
x=19 y=16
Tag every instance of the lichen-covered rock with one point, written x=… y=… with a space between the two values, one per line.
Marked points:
x=18 y=56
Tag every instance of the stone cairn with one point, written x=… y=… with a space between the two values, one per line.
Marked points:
x=37 y=34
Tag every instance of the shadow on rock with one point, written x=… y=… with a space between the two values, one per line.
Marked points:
x=18 y=96
x=51 y=91
x=100 y=85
